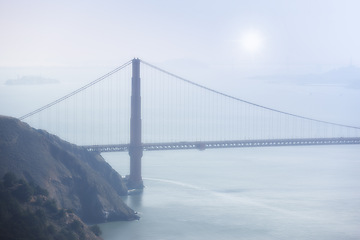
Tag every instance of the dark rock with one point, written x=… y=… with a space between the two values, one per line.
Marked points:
x=35 y=216
x=75 y=178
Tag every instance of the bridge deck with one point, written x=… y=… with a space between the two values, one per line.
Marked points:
x=202 y=145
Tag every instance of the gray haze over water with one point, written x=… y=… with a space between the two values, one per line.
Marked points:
x=255 y=193
x=298 y=56
x=330 y=96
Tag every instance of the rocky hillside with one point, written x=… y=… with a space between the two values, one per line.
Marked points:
x=75 y=178
x=26 y=212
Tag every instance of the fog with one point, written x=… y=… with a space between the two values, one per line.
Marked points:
x=265 y=36
x=296 y=56
x=261 y=51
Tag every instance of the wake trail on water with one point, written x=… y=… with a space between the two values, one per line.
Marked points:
x=228 y=198
x=182 y=184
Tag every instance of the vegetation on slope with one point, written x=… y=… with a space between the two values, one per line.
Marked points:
x=27 y=212
x=77 y=179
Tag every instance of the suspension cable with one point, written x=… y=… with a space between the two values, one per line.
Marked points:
x=244 y=101
x=75 y=92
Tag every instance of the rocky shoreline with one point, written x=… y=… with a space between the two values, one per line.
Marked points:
x=77 y=179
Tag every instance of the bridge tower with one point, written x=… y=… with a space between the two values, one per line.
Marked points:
x=135 y=149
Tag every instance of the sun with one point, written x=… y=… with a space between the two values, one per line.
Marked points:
x=252 y=41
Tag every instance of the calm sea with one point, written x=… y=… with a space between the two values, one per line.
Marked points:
x=253 y=193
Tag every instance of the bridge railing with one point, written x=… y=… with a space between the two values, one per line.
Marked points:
x=203 y=145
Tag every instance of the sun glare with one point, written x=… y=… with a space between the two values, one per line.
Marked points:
x=251 y=41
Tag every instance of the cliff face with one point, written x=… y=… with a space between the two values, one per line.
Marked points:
x=26 y=212
x=75 y=178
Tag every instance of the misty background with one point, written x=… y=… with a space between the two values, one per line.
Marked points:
x=297 y=56
x=287 y=55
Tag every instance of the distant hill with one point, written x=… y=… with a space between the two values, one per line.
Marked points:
x=345 y=76
x=31 y=80
x=75 y=178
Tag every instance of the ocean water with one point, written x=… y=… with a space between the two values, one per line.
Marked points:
x=307 y=192
x=255 y=193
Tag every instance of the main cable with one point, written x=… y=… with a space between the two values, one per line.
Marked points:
x=75 y=92
x=244 y=101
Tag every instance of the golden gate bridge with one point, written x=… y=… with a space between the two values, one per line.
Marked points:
x=135 y=110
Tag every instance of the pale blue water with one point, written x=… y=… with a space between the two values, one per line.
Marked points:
x=258 y=193
x=254 y=193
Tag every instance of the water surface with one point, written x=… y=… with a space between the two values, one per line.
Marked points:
x=307 y=192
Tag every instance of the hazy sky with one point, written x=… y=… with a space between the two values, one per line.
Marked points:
x=257 y=33
x=214 y=43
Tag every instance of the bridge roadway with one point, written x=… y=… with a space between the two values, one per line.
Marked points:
x=202 y=145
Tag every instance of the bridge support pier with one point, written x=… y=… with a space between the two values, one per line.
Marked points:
x=135 y=149
x=135 y=180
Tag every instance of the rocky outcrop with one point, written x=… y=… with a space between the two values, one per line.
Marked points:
x=75 y=178
x=26 y=212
